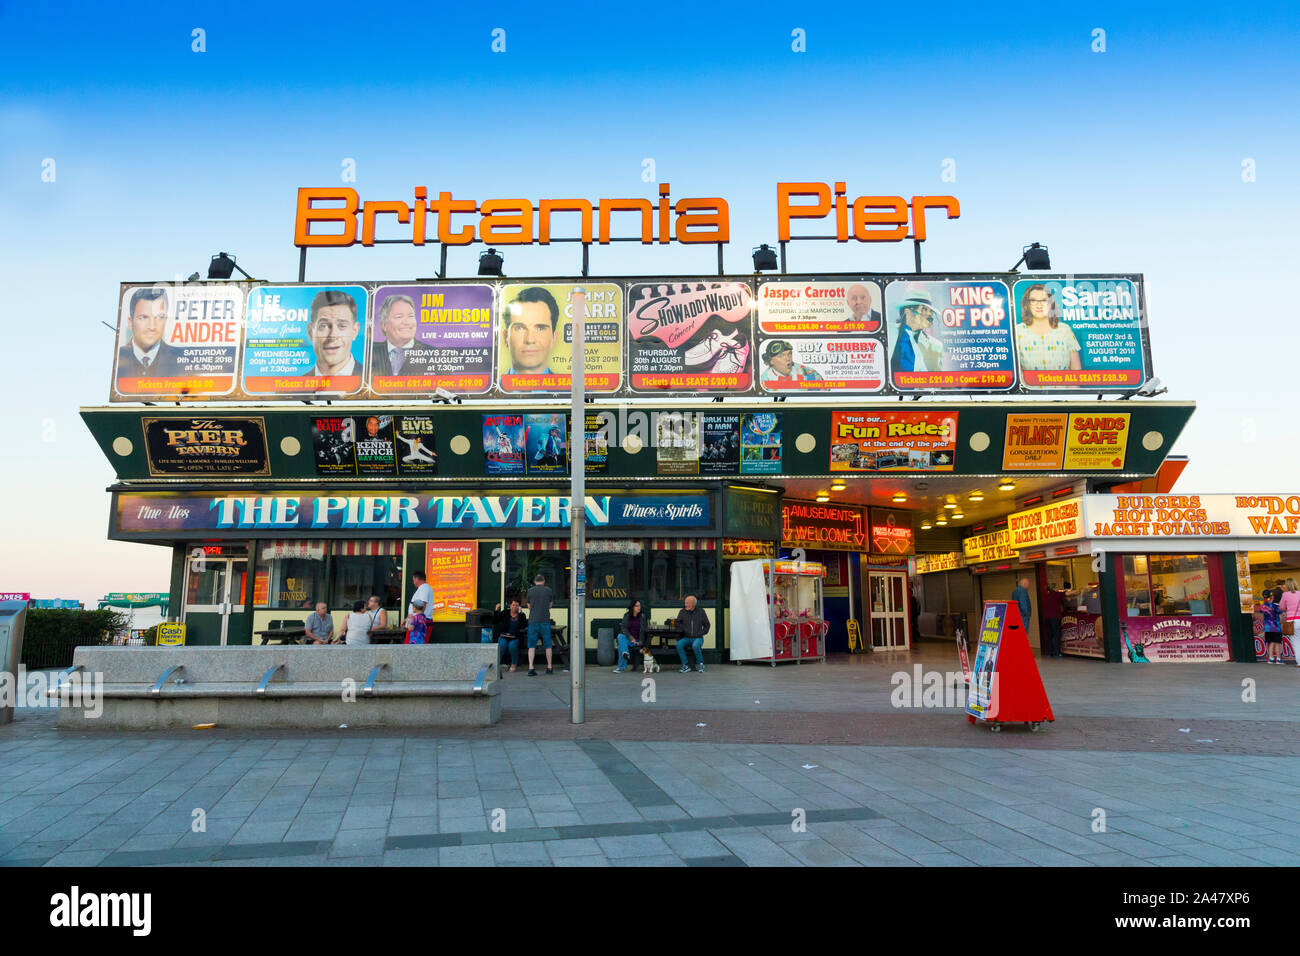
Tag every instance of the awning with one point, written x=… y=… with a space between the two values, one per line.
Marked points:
x=537 y=544
x=683 y=544
x=308 y=550
x=369 y=548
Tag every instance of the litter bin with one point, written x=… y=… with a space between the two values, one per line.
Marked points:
x=476 y=621
x=606 y=651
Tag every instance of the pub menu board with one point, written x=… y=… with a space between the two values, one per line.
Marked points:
x=428 y=337
x=819 y=335
x=177 y=341
x=690 y=336
x=1085 y=333
x=206 y=446
x=950 y=336
x=360 y=445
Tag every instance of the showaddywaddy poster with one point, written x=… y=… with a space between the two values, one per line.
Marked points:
x=690 y=336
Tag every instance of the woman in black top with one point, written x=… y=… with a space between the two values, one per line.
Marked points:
x=631 y=634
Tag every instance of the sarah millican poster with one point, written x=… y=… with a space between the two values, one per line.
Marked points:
x=305 y=339
x=428 y=337
x=177 y=340
x=1081 y=334
x=503 y=444
x=690 y=336
x=535 y=353
x=949 y=336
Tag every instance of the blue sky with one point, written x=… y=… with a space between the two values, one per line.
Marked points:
x=1127 y=160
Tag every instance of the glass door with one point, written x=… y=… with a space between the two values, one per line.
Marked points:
x=214 y=601
x=887 y=596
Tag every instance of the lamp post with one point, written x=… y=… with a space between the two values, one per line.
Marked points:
x=578 y=511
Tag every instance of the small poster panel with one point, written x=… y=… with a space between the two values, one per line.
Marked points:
x=177 y=340
x=417 y=445
x=802 y=307
x=982 y=696
x=452 y=567
x=305 y=339
x=893 y=441
x=690 y=336
x=950 y=336
x=596 y=439
x=428 y=337
x=677 y=436
x=206 y=446
x=760 y=443
x=503 y=444
x=720 y=437
x=361 y=445
x=536 y=341
x=1034 y=443
x=1097 y=442
x=546 y=443
x=845 y=364
x=1085 y=333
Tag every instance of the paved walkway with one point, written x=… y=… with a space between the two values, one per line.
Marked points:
x=1115 y=781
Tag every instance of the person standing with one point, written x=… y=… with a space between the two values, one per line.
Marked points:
x=539 y=601
x=1053 y=610
x=423 y=593
x=694 y=624
x=318 y=628
x=1021 y=596
x=1272 y=609
x=417 y=625
x=357 y=628
x=1290 y=614
x=629 y=635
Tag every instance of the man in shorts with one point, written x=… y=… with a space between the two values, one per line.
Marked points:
x=539 y=601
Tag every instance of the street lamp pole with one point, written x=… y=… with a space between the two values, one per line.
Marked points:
x=578 y=511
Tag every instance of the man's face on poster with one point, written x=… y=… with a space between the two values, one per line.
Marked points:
x=529 y=337
x=399 y=324
x=858 y=300
x=782 y=362
x=372 y=427
x=148 y=320
x=332 y=333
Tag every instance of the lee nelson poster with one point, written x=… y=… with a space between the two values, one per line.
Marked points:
x=428 y=337
x=305 y=339
x=893 y=441
x=535 y=350
x=690 y=336
x=1081 y=334
x=177 y=340
x=949 y=336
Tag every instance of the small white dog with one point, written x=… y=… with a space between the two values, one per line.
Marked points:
x=648 y=663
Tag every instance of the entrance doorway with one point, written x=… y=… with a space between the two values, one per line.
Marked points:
x=214 y=610
x=887 y=609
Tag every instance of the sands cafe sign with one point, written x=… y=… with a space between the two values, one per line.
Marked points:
x=337 y=216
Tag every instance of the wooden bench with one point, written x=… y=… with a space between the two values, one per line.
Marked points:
x=157 y=688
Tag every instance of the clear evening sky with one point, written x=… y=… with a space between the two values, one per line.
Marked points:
x=1128 y=160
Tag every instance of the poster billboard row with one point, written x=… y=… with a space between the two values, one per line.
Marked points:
x=685 y=336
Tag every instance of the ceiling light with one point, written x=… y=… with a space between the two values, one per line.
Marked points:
x=977 y=496
x=957 y=515
x=1006 y=485
x=899 y=498
x=823 y=497
x=925 y=526
x=950 y=505
x=941 y=521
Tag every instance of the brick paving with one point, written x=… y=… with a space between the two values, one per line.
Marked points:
x=807 y=766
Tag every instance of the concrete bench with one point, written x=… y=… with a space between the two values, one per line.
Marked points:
x=159 y=688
